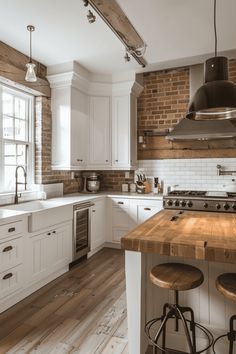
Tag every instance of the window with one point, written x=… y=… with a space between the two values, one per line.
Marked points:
x=16 y=139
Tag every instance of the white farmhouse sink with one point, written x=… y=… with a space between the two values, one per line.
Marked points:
x=44 y=214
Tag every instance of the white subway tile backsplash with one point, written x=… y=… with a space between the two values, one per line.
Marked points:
x=198 y=174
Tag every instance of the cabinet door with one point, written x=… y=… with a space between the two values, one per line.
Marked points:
x=121 y=131
x=79 y=128
x=38 y=255
x=118 y=233
x=147 y=209
x=100 y=154
x=98 y=224
x=60 y=246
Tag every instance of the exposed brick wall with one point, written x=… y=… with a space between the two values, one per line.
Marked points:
x=113 y=180
x=164 y=99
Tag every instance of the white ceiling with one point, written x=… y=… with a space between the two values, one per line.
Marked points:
x=176 y=32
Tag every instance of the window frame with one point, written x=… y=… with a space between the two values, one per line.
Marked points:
x=30 y=148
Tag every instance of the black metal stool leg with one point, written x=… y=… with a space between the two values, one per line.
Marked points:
x=176 y=317
x=164 y=328
x=192 y=324
x=186 y=331
x=159 y=332
x=232 y=334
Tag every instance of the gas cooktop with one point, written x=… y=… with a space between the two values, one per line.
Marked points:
x=219 y=201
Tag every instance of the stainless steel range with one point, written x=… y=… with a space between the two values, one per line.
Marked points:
x=201 y=200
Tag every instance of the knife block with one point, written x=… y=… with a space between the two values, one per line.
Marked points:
x=143 y=187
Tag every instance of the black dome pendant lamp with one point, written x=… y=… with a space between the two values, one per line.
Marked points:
x=216 y=99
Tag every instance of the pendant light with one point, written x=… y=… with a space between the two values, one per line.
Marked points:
x=216 y=99
x=30 y=66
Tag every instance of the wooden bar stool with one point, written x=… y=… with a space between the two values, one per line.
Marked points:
x=176 y=277
x=226 y=285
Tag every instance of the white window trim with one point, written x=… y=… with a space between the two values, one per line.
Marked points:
x=30 y=142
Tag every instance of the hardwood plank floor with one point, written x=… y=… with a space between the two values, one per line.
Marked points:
x=83 y=311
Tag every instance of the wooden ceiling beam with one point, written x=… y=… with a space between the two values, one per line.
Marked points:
x=112 y=14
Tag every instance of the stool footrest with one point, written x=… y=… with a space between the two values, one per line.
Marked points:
x=176 y=312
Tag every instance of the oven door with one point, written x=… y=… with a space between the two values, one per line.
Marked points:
x=82 y=230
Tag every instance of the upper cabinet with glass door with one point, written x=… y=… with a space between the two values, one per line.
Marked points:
x=16 y=122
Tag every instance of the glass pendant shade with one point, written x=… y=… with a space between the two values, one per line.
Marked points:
x=216 y=99
x=30 y=73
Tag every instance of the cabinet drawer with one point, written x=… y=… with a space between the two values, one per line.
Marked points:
x=121 y=203
x=144 y=212
x=12 y=229
x=11 y=253
x=118 y=233
x=10 y=281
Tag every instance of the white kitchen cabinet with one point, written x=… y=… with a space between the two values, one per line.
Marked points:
x=124 y=129
x=98 y=224
x=12 y=245
x=99 y=132
x=127 y=213
x=50 y=252
x=94 y=122
x=69 y=128
x=121 y=218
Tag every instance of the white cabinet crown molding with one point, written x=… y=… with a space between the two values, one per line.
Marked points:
x=93 y=88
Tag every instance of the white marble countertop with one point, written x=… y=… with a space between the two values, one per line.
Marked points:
x=11 y=215
x=7 y=212
x=79 y=197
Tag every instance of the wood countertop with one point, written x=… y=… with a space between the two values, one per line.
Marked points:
x=189 y=234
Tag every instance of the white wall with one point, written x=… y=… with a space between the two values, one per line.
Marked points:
x=198 y=174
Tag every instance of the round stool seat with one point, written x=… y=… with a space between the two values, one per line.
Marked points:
x=226 y=285
x=176 y=276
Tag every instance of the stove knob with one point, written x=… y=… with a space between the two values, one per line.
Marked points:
x=218 y=206
x=234 y=206
x=189 y=204
x=169 y=202
x=183 y=203
x=226 y=206
x=176 y=203
x=205 y=205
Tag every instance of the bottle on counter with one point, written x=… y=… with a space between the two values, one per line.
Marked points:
x=156 y=184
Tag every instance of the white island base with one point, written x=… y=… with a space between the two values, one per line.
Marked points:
x=145 y=301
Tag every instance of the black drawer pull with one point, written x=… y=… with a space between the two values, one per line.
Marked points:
x=12 y=229
x=54 y=232
x=7 y=249
x=49 y=233
x=120 y=202
x=147 y=208
x=7 y=276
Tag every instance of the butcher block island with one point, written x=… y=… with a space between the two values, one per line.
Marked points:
x=206 y=240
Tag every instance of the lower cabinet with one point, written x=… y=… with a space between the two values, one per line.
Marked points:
x=98 y=224
x=49 y=252
x=128 y=213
